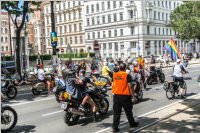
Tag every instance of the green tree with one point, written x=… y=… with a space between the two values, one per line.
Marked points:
x=18 y=15
x=185 y=19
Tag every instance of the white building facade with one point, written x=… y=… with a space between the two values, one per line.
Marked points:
x=68 y=23
x=130 y=28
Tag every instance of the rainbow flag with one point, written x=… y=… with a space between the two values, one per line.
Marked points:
x=173 y=50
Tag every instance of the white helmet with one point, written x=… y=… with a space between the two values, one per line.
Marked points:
x=135 y=63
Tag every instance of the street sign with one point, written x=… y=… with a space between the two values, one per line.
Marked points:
x=138 y=48
x=54 y=39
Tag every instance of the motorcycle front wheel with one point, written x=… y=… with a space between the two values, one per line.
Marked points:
x=12 y=92
x=8 y=119
x=71 y=119
x=35 y=91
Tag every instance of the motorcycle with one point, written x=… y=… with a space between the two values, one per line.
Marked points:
x=71 y=105
x=8 y=88
x=8 y=118
x=97 y=77
x=39 y=86
x=153 y=76
x=138 y=95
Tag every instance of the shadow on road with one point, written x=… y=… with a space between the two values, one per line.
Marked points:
x=24 y=129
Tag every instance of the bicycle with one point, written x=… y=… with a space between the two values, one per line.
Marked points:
x=172 y=88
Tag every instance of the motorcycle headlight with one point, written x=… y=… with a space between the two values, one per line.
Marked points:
x=3 y=83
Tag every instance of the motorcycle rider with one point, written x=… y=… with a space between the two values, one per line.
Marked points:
x=105 y=70
x=82 y=82
x=141 y=63
x=41 y=77
x=178 y=71
x=153 y=67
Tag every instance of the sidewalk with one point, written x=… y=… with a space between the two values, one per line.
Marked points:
x=180 y=117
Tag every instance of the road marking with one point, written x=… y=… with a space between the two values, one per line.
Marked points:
x=151 y=112
x=44 y=99
x=56 y=112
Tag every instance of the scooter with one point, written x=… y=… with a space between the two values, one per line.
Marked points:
x=38 y=87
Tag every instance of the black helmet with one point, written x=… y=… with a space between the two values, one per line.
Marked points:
x=122 y=66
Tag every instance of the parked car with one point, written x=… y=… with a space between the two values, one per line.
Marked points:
x=9 y=66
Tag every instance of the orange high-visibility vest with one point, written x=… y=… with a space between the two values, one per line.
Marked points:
x=136 y=69
x=120 y=84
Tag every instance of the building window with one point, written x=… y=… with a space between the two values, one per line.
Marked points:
x=131 y=14
x=114 y=4
x=98 y=34
x=6 y=39
x=170 y=32
x=109 y=33
x=132 y=30
x=108 y=4
x=166 y=4
x=98 y=21
x=116 y=46
x=65 y=15
x=109 y=18
x=79 y=3
x=102 y=6
x=103 y=19
x=97 y=7
x=121 y=32
x=88 y=36
x=71 y=40
x=93 y=35
x=2 y=48
x=87 y=8
x=93 y=21
x=163 y=31
x=166 y=16
x=88 y=21
x=6 y=30
x=80 y=27
x=104 y=34
x=61 y=41
x=75 y=40
x=65 y=40
x=155 y=30
x=81 y=39
x=115 y=32
x=69 y=16
x=167 y=31
x=79 y=14
x=115 y=17
x=70 y=28
x=154 y=15
x=104 y=46
x=159 y=31
x=158 y=15
x=60 y=29
x=162 y=16
x=73 y=3
x=74 y=15
x=121 y=16
x=170 y=5
x=6 y=48
x=132 y=44
x=110 y=45
x=1 y=39
x=120 y=3
x=92 y=8
x=69 y=5
x=148 y=30
x=75 y=28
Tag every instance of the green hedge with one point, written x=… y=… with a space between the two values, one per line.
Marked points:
x=75 y=55
x=43 y=57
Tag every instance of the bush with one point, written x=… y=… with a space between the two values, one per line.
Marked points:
x=42 y=57
x=73 y=55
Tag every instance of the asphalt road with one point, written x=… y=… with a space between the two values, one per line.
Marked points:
x=42 y=114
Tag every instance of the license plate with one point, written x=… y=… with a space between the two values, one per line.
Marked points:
x=63 y=105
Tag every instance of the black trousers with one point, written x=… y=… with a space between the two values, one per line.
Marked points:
x=120 y=101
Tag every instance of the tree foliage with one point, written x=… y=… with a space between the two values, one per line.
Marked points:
x=18 y=15
x=185 y=19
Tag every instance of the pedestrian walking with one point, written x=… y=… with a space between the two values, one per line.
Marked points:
x=122 y=90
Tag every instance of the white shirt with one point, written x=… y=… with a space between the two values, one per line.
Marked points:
x=40 y=74
x=178 y=71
